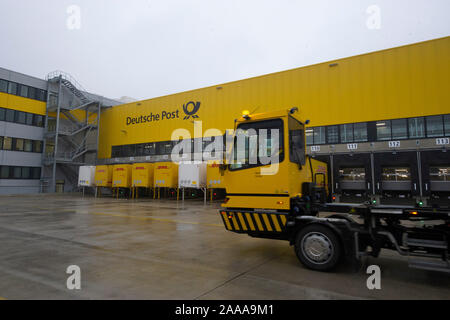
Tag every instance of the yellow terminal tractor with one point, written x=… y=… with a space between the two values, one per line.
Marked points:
x=274 y=190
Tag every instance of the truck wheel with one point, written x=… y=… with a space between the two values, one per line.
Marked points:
x=318 y=248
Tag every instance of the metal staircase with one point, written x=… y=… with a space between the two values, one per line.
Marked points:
x=72 y=120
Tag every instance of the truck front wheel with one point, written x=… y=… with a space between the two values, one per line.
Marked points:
x=318 y=248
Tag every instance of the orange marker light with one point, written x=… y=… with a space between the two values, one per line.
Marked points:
x=414 y=212
x=280 y=202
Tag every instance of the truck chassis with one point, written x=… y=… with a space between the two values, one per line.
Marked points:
x=351 y=232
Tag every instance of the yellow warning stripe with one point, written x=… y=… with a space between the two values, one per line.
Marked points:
x=241 y=218
x=250 y=221
x=258 y=222
x=236 y=226
x=275 y=222
x=283 y=219
x=267 y=222
x=227 y=223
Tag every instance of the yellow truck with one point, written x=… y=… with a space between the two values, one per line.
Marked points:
x=274 y=190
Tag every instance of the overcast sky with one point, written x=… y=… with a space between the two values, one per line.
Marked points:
x=149 y=48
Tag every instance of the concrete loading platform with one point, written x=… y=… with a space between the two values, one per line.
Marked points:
x=162 y=249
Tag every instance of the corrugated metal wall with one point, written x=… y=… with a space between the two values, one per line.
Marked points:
x=401 y=82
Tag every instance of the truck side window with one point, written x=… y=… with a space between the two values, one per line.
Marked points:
x=258 y=144
x=296 y=141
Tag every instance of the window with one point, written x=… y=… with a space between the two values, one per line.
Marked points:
x=435 y=126
x=416 y=128
x=35 y=173
x=309 y=136
x=26 y=173
x=319 y=135
x=346 y=133
x=352 y=174
x=4 y=172
x=333 y=134
x=42 y=95
x=255 y=142
x=28 y=146
x=37 y=146
x=447 y=124
x=21 y=117
x=396 y=174
x=12 y=88
x=7 y=143
x=3 y=85
x=116 y=151
x=149 y=149
x=440 y=173
x=360 y=132
x=17 y=172
x=384 y=130
x=38 y=120
x=24 y=91
x=29 y=119
x=399 y=129
x=18 y=144
x=2 y=114
x=296 y=141
x=1 y=143
x=9 y=115
x=32 y=93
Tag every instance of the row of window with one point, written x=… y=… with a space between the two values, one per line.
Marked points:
x=394 y=174
x=411 y=128
x=155 y=148
x=22 y=90
x=19 y=144
x=21 y=117
x=10 y=172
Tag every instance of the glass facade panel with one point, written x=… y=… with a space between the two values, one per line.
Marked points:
x=29 y=120
x=435 y=126
x=26 y=173
x=24 y=91
x=21 y=117
x=4 y=172
x=2 y=114
x=416 y=128
x=383 y=130
x=447 y=125
x=360 y=132
x=38 y=146
x=309 y=136
x=333 y=134
x=18 y=145
x=319 y=135
x=9 y=115
x=346 y=133
x=17 y=172
x=28 y=146
x=3 y=85
x=7 y=143
x=399 y=129
x=12 y=88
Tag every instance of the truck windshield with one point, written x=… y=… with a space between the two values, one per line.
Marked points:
x=258 y=144
x=296 y=141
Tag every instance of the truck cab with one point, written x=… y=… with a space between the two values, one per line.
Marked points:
x=267 y=165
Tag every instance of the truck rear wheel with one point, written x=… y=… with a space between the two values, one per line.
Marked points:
x=318 y=248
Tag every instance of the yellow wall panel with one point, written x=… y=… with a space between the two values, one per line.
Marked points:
x=10 y=101
x=402 y=82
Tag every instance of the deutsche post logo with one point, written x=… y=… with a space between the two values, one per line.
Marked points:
x=195 y=107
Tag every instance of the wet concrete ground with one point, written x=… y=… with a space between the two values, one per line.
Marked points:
x=162 y=249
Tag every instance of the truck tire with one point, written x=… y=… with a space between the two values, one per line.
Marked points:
x=318 y=248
